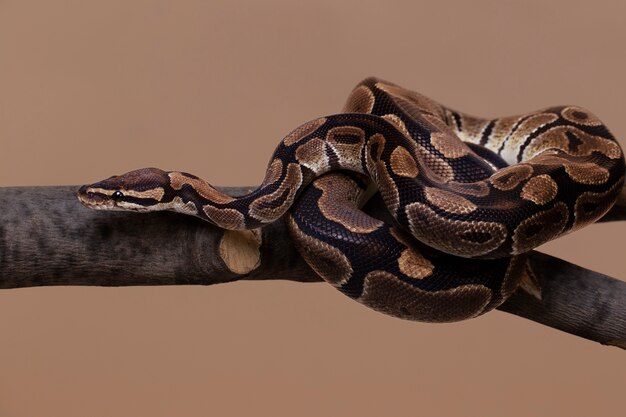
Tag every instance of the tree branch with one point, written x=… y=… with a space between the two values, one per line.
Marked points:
x=47 y=238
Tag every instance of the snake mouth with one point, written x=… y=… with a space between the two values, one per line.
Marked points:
x=93 y=199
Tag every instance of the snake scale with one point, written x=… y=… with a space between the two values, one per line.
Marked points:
x=470 y=196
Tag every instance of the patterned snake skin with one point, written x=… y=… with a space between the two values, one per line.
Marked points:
x=470 y=197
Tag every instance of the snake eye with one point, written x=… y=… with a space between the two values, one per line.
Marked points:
x=118 y=195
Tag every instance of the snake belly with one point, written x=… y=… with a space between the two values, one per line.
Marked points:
x=470 y=196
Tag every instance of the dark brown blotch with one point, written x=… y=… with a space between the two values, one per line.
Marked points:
x=477 y=237
x=347 y=138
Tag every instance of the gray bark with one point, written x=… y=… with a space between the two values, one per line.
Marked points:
x=47 y=238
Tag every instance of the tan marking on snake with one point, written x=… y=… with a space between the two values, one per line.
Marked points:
x=434 y=167
x=540 y=189
x=403 y=163
x=471 y=127
x=518 y=265
x=378 y=170
x=397 y=122
x=347 y=142
x=525 y=129
x=448 y=201
x=422 y=103
x=591 y=206
x=413 y=264
x=178 y=180
x=153 y=193
x=346 y=135
x=550 y=157
x=312 y=155
x=327 y=261
x=383 y=292
x=476 y=189
x=540 y=228
x=595 y=143
x=375 y=146
x=582 y=172
x=500 y=132
x=182 y=207
x=375 y=142
x=438 y=124
x=454 y=236
x=348 y=215
x=270 y=207
x=449 y=147
x=387 y=187
x=227 y=217
x=510 y=177
x=438 y=169
x=580 y=116
x=240 y=250
x=303 y=131
x=587 y=173
x=274 y=171
x=556 y=138
x=361 y=100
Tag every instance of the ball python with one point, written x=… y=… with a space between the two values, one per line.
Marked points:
x=469 y=197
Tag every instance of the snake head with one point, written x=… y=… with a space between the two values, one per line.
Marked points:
x=139 y=190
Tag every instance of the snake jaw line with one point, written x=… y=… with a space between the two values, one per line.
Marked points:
x=91 y=197
x=98 y=198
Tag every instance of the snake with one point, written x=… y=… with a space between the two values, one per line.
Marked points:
x=469 y=197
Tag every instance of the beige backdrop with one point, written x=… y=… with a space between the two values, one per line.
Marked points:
x=91 y=89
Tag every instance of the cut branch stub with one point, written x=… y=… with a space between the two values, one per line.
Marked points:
x=241 y=250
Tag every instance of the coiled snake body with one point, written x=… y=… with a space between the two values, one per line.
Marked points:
x=470 y=196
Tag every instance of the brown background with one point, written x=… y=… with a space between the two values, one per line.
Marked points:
x=90 y=89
